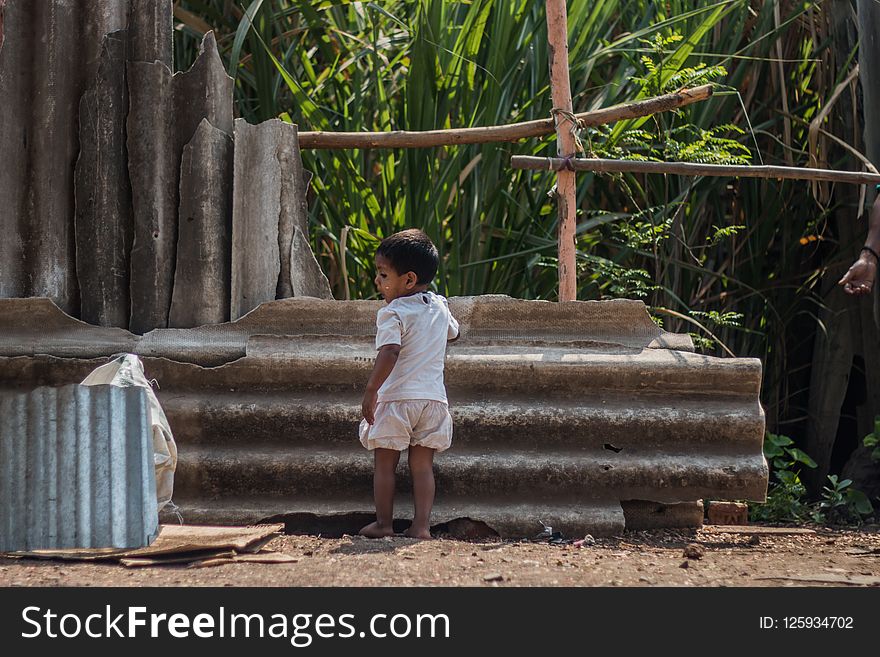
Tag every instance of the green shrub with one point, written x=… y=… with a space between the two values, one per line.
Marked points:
x=787 y=499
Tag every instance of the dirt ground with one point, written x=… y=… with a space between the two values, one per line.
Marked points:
x=646 y=558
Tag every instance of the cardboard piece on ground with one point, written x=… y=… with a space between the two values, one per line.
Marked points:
x=752 y=529
x=261 y=557
x=176 y=540
x=145 y=562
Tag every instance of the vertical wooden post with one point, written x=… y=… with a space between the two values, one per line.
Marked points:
x=560 y=89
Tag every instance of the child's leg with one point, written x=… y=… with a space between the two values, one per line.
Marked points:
x=383 y=492
x=421 y=466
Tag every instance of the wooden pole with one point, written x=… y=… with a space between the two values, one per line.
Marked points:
x=692 y=169
x=560 y=91
x=499 y=133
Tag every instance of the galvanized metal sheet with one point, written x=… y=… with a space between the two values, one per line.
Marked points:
x=76 y=468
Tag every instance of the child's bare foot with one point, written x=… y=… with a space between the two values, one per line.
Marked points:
x=417 y=532
x=375 y=530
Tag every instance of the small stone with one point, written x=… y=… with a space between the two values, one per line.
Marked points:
x=646 y=580
x=754 y=539
x=694 y=551
x=494 y=577
x=684 y=564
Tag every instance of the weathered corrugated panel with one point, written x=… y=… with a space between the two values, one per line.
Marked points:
x=104 y=221
x=49 y=56
x=256 y=207
x=29 y=326
x=201 y=277
x=202 y=92
x=76 y=468
x=294 y=217
x=151 y=27
x=165 y=112
x=271 y=256
x=585 y=435
x=153 y=170
x=306 y=277
x=2 y=7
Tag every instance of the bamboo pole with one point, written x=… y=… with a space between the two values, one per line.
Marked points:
x=499 y=133
x=566 y=193
x=691 y=169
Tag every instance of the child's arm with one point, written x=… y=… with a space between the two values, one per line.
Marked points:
x=385 y=362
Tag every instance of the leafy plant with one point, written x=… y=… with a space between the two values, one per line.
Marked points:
x=787 y=495
x=841 y=504
x=872 y=440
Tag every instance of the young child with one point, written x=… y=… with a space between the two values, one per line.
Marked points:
x=405 y=404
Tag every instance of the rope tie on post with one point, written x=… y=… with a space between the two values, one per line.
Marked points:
x=576 y=127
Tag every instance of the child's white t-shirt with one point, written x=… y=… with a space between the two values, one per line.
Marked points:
x=421 y=324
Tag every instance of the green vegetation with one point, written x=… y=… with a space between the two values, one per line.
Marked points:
x=872 y=440
x=787 y=499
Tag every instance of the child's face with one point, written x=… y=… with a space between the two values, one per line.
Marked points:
x=390 y=284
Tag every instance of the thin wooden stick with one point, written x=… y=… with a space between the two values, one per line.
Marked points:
x=500 y=133
x=566 y=193
x=692 y=169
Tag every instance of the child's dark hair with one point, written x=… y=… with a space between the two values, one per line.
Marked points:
x=411 y=250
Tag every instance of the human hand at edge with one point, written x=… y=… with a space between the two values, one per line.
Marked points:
x=859 y=279
x=368 y=406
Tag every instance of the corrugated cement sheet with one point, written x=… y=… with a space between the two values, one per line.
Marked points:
x=581 y=423
x=36 y=326
x=76 y=469
x=49 y=56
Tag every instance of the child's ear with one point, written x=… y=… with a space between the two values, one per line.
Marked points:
x=412 y=280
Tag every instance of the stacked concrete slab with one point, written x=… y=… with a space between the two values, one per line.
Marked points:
x=585 y=416
x=122 y=213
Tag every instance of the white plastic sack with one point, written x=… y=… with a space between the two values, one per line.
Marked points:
x=128 y=370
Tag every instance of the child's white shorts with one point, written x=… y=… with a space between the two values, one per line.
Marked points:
x=399 y=424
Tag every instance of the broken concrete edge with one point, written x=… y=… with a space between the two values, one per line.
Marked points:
x=208 y=57
x=53 y=317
